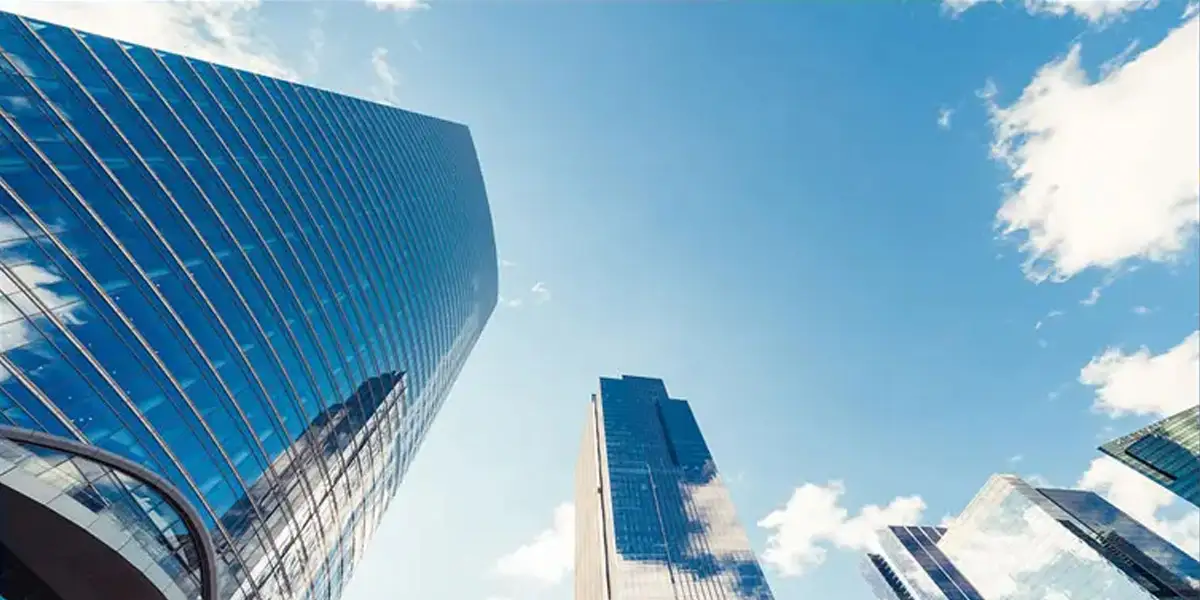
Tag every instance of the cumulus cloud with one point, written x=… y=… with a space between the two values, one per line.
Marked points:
x=814 y=518
x=549 y=556
x=541 y=291
x=1105 y=171
x=384 y=88
x=1142 y=383
x=221 y=32
x=1143 y=500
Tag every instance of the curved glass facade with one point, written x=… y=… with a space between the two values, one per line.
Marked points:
x=122 y=515
x=258 y=290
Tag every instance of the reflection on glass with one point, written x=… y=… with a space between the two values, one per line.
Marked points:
x=1017 y=542
x=93 y=495
x=221 y=277
x=1167 y=451
x=653 y=519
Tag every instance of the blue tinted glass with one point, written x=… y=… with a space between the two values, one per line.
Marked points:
x=248 y=286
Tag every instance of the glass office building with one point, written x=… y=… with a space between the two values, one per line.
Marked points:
x=1020 y=543
x=910 y=566
x=1167 y=452
x=653 y=519
x=232 y=307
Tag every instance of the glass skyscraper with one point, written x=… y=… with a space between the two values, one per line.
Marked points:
x=1167 y=452
x=1016 y=542
x=653 y=519
x=232 y=307
x=910 y=566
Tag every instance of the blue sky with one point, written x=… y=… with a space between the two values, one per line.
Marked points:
x=885 y=250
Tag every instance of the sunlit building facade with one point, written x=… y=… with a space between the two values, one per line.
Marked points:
x=654 y=521
x=910 y=566
x=1167 y=451
x=1018 y=542
x=232 y=307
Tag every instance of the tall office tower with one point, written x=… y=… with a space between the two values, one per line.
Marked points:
x=232 y=307
x=1017 y=542
x=1167 y=452
x=653 y=519
x=910 y=566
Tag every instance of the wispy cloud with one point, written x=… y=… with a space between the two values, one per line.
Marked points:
x=541 y=292
x=957 y=7
x=549 y=557
x=1093 y=11
x=398 y=5
x=814 y=518
x=223 y=32
x=316 y=42
x=1141 y=310
x=384 y=88
x=944 y=116
x=1138 y=131
x=507 y=264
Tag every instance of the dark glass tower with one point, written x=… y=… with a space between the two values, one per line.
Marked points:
x=653 y=519
x=1167 y=452
x=1016 y=541
x=232 y=307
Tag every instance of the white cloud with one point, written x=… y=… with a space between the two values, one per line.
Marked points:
x=1093 y=297
x=37 y=280
x=1190 y=10
x=398 y=5
x=1103 y=172
x=384 y=88
x=1143 y=499
x=550 y=556
x=1094 y=11
x=222 y=32
x=1016 y=458
x=957 y=7
x=944 y=116
x=507 y=263
x=1141 y=310
x=542 y=292
x=814 y=517
x=1145 y=384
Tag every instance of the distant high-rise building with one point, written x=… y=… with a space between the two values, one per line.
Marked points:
x=1167 y=451
x=232 y=306
x=653 y=519
x=910 y=566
